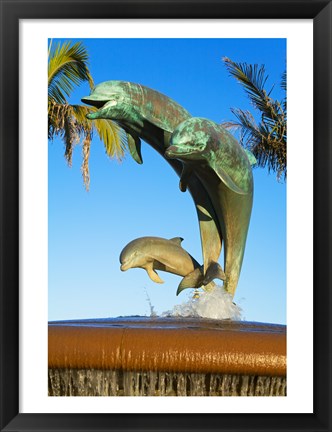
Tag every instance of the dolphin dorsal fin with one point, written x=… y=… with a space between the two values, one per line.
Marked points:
x=177 y=240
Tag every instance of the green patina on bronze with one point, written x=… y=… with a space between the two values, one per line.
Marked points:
x=149 y=115
x=208 y=151
x=135 y=108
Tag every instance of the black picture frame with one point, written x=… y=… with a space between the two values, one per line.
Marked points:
x=11 y=12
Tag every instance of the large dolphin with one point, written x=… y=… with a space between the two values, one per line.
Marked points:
x=222 y=165
x=156 y=253
x=149 y=115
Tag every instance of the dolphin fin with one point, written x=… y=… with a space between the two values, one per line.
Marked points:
x=214 y=271
x=192 y=280
x=134 y=145
x=177 y=240
x=152 y=273
x=251 y=157
x=186 y=173
x=226 y=179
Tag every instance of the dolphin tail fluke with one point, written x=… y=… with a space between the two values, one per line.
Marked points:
x=214 y=271
x=134 y=145
x=192 y=280
x=153 y=275
x=209 y=287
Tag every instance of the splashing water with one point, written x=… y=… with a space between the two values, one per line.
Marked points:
x=153 y=313
x=217 y=304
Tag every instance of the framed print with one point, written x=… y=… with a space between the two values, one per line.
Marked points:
x=61 y=244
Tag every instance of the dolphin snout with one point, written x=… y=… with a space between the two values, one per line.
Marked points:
x=172 y=152
x=124 y=266
x=94 y=101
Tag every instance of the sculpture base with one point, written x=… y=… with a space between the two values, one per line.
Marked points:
x=141 y=356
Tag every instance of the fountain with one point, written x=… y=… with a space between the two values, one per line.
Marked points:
x=176 y=355
x=142 y=356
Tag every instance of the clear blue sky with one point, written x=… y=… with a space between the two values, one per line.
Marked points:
x=87 y=230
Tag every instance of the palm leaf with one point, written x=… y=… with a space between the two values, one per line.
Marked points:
x=231 y=125
x=267 y=147
x=110 y=133
x=113 y=137
x=248 y=127
x=253 y=80
x=267 y=140
x=283 y=83
x=85 y=163
x=56 y=118
x=67 y=67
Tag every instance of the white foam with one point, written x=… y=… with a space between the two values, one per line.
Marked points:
x=217 y=304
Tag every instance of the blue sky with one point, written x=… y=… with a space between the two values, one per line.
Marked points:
x=87 y=230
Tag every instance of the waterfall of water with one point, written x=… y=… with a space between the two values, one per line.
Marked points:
x=92 y=382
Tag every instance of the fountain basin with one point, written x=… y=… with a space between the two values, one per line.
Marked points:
x=159 y=352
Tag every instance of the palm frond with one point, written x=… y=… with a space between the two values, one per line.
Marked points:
x=267 y=147
x=80 y=112
x=253 y=80
x=67 y=67
x=283 y=83
x=56 y=118
x=248 y=127
x=267 y=140
x=85 y=163
x=71 y=135
x=113 y=138
x=231 y=125
x=109 y=132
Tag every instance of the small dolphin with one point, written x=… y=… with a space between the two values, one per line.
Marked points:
x=222 y=165
x=149 y=115
x=156 y=253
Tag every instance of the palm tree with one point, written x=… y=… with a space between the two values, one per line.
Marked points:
x=267 y=140
x=67 y=68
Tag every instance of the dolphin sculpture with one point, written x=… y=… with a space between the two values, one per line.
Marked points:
x=211 y=153
x=149 y=115
x=156 y=253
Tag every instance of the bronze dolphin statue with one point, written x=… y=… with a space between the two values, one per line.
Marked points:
x=156 y=253
x=222 y=165
x=149 y=115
